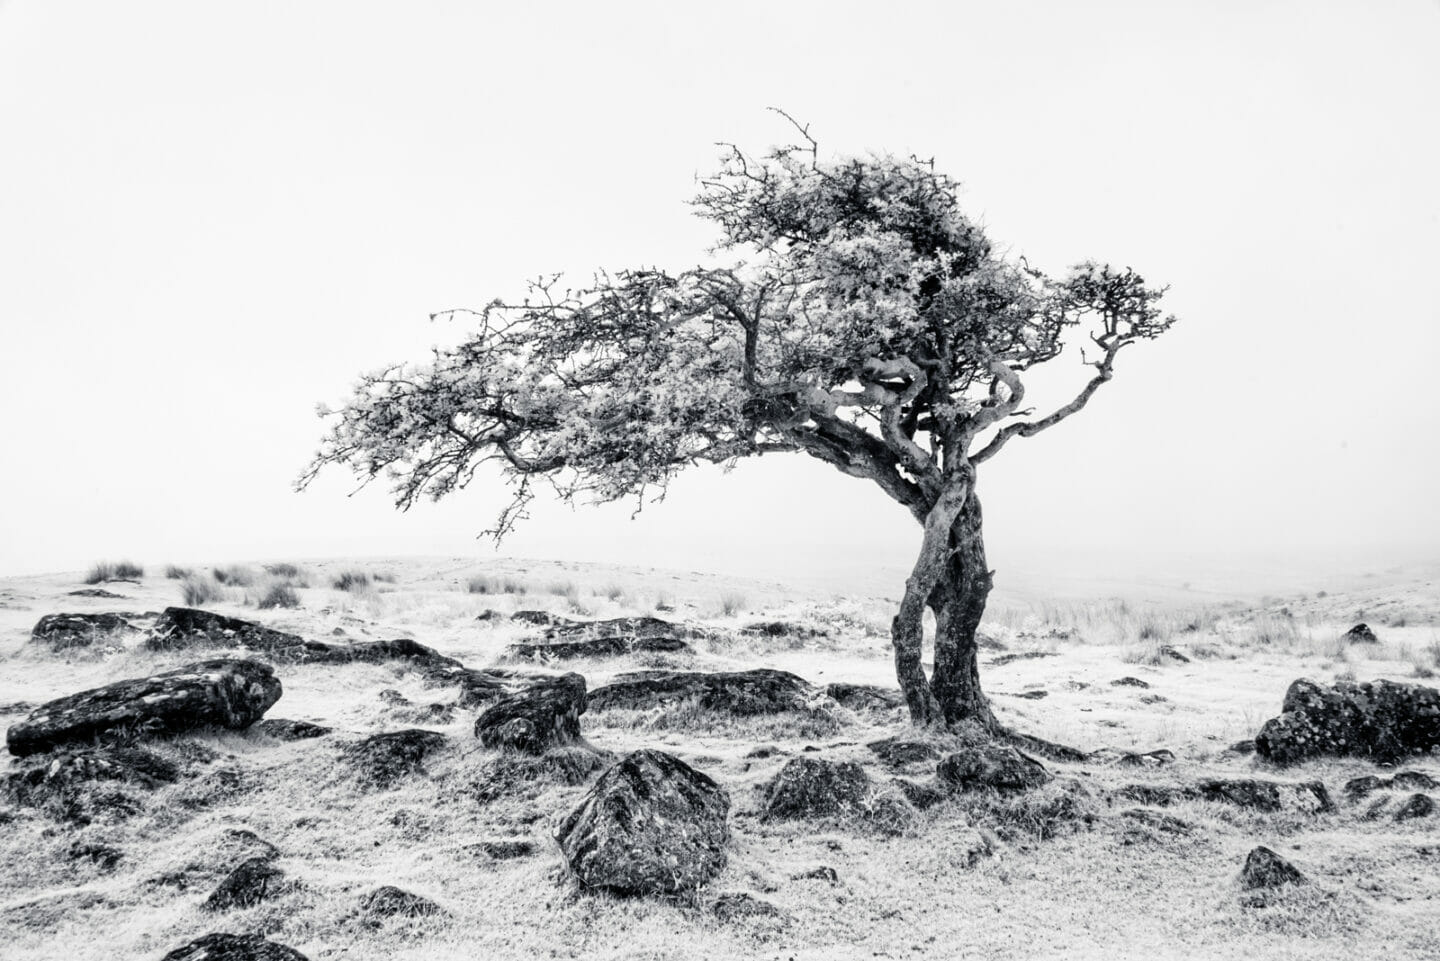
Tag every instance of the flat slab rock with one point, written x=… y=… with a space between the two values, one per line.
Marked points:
x=1260 y=795
x=865 y=697
x=995 y=767
x=228 y=692
x=64 y=632
x=651 y=825
x=1383 y=720
x=544 y=715
x=560 y=628
x=761 y=691
x=234 y=947
x=615 y=645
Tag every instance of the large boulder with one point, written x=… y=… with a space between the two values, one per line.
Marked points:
x=184 y=627
x=996 y=767
x=760 y=691
x=66 y=631
x=228 y=692
x=542 y=716
x=651 y=825
x=413 y=653
x=1383 y=720
x=79 y=785
x=234 y=947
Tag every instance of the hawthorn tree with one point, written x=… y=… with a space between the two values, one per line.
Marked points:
x=862 y=319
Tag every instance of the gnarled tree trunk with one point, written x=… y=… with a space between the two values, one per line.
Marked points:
x=951 y=578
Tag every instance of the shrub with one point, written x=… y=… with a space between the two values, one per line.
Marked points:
x=513 y=585
x=176 y=573
x=352 y=581
x=235 y=575
x=199 y=590
x=279 y=595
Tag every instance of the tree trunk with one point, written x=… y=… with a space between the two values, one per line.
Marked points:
x=959 y=604
x=951 y=578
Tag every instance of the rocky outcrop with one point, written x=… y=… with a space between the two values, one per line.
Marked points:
x=899 y=753
x=415 y=654
x=624 y=627
x=544 y=715
x=392 y=902
x=995 y=767
x=234 y=947
x=63 y=632
x=741 y=693
x=1416 y=806
x=64 y=783
x=285 y=729
x=381 y=760
x=781 y=629
x=230 y=693
x=651 y=825
x=1266 y=869
x=1360 y=634
x=1382 y=720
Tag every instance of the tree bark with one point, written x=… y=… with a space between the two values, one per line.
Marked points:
x=907 y=631
x=959 y=603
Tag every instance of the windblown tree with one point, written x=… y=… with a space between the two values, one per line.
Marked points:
x=862 y=320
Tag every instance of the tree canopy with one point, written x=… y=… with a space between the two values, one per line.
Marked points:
x=858 y=316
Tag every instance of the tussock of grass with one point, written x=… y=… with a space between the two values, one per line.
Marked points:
x=732 y=603
x=201 y=590
x=176 y=573
x=352 y=581
x=278 y=594
x=286 y=571
x=105 y=571
x=235 y=575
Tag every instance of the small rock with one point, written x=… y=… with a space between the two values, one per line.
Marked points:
x=252 y=881
x=1147 y=759
x=540 y=618
x=996 y=767
x=1153 y=699
x=102 y=856
x=1359 y=787
x=96 y=592
x=1416 y=806
x=1174 y=654
x=922 y=795
x=1266 y=869
x=284 y=729
x=898 y=752
x=1128 y=682
x=1414 y=780
x=1360 y=634
x=865 y=697
x=1004 y=659
x=392 y=902
x=732 y=906
x=64 y=632
x=822 y=873
x=234 y=947
x=650 y=825
x=383 y=759
x=615 y=645
x=815 y=788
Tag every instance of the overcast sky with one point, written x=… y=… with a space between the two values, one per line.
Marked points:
x=214 y=216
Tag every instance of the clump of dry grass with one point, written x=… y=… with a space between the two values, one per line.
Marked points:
x=105 y=571
x=176 y=573
x=278 y=594
x=200 y=590
x=732 y=603
x=235 y=575
x=352 y=581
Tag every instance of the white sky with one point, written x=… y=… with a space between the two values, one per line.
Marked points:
x=215 y=215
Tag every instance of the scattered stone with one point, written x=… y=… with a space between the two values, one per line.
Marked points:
x=63 y=632
x=1157 y=758
x=1266 y=869
x=1383 y=720
x=823 y=873
x=542 y=716
x=743 y=693
x=922 y=795
x=505 y=849
x=996 y=767
x=1128 y=682
x=1376 y=808
x=1416 y=806
x=1246 y=746
x=242 y=844
x=234 y=947
x=479 y=688
x=62 y=783
x=865 y=697
x=1147 y=824
x=381 y=760
x=415 y=654
x=102 y=856
x=614 y=645
x=1360 y=634
x=393 y=697
x=96 y=592
x=899 y=752
x=1357 y=788
x=540 y=618
x=1027 y=695
x=392 y=902
x=253 y=881
x=284 y=729
x=1413 y=780
x=225 y=693
x=764 y=750
x=17 y=707
x=1004 y=659
x=807 y=788
x=526 y=776
x=735 y=905
x=1153 y=699
x=1174 y=654
x=489 y=614
x=650 y=825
